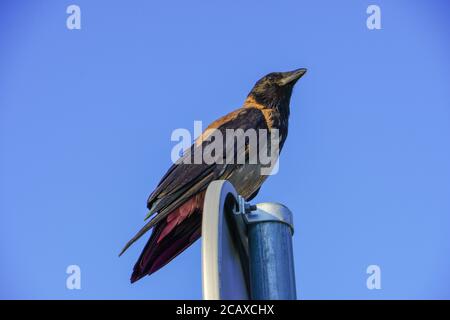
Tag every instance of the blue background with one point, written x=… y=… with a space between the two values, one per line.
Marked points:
x=86 y=117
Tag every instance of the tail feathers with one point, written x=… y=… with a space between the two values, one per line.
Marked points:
x=170 y=237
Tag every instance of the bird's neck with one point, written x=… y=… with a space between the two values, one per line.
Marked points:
x=279 y=110
x=251 y=102
x=276 y=117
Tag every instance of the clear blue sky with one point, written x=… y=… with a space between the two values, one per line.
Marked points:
x=86 y=117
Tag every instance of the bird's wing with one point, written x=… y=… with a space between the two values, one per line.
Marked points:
x=182 y=176
x=183 y=180
x=253 y=195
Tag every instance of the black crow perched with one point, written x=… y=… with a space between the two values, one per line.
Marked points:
x=176 y=204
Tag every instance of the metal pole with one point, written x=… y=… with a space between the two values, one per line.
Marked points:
x=270 y=231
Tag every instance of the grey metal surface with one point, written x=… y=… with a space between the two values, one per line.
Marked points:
x=270 y=211
x=222 y=274
x=245 y=248
x=272 y=275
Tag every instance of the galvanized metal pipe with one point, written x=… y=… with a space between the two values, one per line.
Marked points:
x=270 y=230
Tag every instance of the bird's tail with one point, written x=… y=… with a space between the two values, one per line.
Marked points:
x=170 y=237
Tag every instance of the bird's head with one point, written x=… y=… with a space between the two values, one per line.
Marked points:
x=274 y=90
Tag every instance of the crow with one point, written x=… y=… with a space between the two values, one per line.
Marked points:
x=176 y=204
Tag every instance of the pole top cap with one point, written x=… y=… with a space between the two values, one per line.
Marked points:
x=270 y=211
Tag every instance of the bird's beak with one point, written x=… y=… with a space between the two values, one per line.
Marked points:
x=291 y=77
